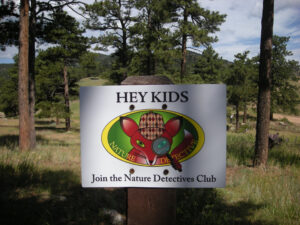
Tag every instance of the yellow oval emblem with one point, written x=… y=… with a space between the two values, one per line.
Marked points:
x=153 y=138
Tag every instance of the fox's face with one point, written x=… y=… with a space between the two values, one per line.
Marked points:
x=143 y=140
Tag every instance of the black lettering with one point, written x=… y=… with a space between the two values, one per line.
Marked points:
x=98 y=179
x=200 y=178
x=93 y=179
x=143 y=96
x=133 y=97
x=127 y=177
x=213 y=178
x=155 y=96
x=173 y=94
x=156 y=178
x=165 y=96
x=184 y=96
x=206 y=179
x=119 y=97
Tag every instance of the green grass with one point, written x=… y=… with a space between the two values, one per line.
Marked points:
x=252 y=195
x=92 y=81
x=43 y=186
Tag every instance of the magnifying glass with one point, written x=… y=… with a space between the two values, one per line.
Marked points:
x=161 y=146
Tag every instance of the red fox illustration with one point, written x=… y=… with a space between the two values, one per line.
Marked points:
x=152 y=139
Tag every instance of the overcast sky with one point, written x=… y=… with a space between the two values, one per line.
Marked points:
x=241 y=30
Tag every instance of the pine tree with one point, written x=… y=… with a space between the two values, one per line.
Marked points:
x=9 y=24
x=240 y=81
x=209 y=66
x=37 y=18
x=151 y=37
x=9 y=91
x=114 y=18
x=284 y=94
x=195 y=23
x=88 y=64
x=264 y=95
x=32 y=36
x=64 y=31
x=24 y=127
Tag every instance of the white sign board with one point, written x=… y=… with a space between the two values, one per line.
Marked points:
x=170 y=136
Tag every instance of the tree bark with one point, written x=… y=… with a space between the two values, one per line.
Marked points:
x=66 y=96
x=271 y=114
x=148 y=206
x=183 y=47
x=150 y=63
x=264 y=104
x=24 y=128
x=32 y=34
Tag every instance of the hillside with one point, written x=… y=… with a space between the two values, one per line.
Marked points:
x=4 y=69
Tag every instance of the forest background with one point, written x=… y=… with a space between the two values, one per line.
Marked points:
x=149 y=38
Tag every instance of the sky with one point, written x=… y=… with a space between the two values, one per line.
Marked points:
x=242 y=28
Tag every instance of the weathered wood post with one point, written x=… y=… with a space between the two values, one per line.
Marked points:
x=153 y=206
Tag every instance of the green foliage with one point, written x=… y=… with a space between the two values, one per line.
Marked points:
x=50 y=109
x=8 y=24
x=65 y=32
x=198 y=24
x=113 y=17
x=152 y=39
x=9 y=91
x=209 y=67
x=88 y=64
x=4 y=68
x=49 y=81
x=284 y=95
x=240 y=79
x=147 y=43
x=50 y=84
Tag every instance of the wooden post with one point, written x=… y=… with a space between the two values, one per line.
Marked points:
x=149 y=206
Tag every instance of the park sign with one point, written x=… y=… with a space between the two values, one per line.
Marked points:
x=171 y=136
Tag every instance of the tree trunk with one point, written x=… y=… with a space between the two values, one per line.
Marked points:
x=24 y=128
x=150 y=205
x=32 y=30
x=237 y=117
x=263 y=107
x=66 y=96
x=149 y=61
x=183 y=47
x=271 y=114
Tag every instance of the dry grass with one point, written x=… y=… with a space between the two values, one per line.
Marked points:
x=43 y=186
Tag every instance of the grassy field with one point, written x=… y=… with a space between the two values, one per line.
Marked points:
x=92 y=81
x=43 y=186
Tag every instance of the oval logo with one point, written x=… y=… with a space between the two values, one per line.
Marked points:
x=153 y=138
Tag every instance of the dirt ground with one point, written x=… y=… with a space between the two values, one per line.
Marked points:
x=292 y=119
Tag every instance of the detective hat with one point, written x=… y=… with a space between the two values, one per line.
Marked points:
x=151 y=125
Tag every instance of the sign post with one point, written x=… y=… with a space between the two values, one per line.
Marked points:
x=149 y=205
x=151 y=137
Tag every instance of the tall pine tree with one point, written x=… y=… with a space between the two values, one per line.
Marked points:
x=114 y=19
x=24 y=127
x=209 y=66
x=196 y=24
x=151 y=37
x=9 y=24
x=284 y=93
x=264 y=95
x=241 y=86
x=65 y=32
